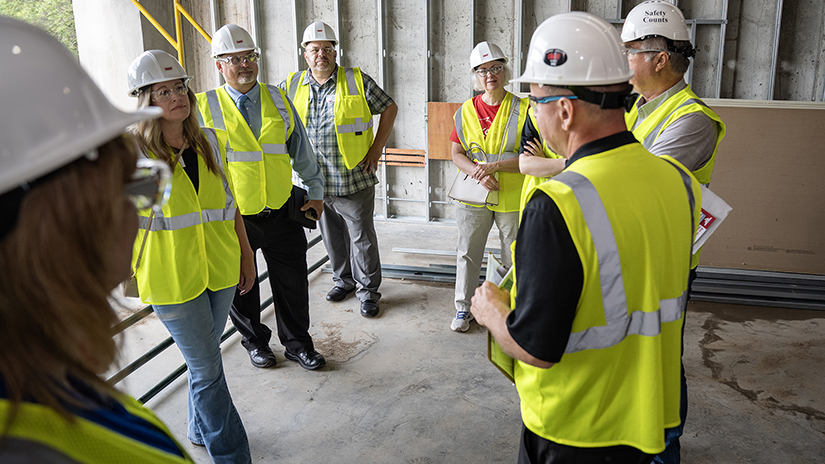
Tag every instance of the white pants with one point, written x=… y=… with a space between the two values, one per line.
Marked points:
x=474 y=226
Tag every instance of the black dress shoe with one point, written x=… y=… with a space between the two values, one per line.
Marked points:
x=338 y=294
x=309 y=360
x=369 y=308
x=262 y=357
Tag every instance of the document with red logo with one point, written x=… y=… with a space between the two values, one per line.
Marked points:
x=504 y=278
x=714 y=211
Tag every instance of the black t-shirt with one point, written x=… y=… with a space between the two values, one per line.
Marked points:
x=549 y=271
x=189 y=160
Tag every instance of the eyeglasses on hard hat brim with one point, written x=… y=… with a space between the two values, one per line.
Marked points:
x=151 y=184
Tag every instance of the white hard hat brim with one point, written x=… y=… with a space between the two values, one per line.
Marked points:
x=65 y=148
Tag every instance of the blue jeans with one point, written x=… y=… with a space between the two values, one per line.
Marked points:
x=196 y=328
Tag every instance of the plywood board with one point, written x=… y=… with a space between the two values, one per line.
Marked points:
x=770 y=169
x=440 y=124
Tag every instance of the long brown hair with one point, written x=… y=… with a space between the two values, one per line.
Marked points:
x=150 y=136
x=55 y=319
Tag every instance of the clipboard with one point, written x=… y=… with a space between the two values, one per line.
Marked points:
x=495 y=354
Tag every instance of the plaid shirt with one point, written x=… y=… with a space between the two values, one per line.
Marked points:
x=320 y=126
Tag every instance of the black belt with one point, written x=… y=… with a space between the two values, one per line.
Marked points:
x=265 y=213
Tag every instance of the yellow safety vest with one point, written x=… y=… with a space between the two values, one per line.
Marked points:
x=88 y=442
x=618 y=381
x=683 y=102
x=532 y=181
x=192 y=244
x=503 y=138
x=259 y=169
x=353 y=119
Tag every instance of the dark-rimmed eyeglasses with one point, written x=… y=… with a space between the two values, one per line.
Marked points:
x=491 y=70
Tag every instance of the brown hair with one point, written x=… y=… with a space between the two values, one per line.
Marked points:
x=55 y=320
x=150 y=137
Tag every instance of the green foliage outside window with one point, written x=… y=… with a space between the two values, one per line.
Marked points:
x=54 y=16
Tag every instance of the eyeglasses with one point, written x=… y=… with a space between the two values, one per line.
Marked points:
x=491 y=71
x=235 y=60
x=315 y=50
x=635 y=51
x=535 y=100
x=163 y=95
x=151 y=184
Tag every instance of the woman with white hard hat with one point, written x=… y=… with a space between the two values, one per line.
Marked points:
x=190 y=256
x=491 y=124
x=67 y=175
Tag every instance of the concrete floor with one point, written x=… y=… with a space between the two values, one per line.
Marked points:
x=404 y=388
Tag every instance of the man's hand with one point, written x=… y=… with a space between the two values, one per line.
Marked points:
x=370 y=162
x=533 y=148
x=317 y=205
x=490 y=304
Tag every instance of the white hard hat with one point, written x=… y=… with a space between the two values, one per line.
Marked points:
x=152 y=67
x=318 y=31
x=657 y=18
x=486 y=52
x=231 y=39
x=53 y=113
x=577 y=49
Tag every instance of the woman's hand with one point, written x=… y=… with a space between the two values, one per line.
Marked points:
x=483 y=170
x=490 y=183
x=248 y=273
x=533 y=148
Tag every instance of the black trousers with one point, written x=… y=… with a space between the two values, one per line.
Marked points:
x=284 y=248
x=538 y=450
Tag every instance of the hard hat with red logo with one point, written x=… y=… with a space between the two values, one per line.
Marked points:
x=486 y=52
x=577 y=50
x=152 y=67
x=231 y=39
x=318 y=32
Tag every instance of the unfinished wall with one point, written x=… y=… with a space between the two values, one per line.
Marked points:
x=109 y=38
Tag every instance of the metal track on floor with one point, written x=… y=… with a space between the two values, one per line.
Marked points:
x=712 y=284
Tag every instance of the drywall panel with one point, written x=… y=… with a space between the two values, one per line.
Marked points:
x=769 y=169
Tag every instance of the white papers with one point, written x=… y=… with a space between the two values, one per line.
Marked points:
x=714 y=211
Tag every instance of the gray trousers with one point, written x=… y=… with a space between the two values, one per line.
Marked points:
x=349 y=236
x=474 y=226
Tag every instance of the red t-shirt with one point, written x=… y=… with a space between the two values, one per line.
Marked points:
x=486 y=115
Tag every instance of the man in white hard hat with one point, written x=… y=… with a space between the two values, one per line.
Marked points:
x=267 y=142
x=668 y=118
x=601 y=263
x=337 y=105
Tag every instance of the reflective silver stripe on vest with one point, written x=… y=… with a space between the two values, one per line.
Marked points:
x=215 y=109
x=459 y=128
x=212 y=137
x=654 y=134
x=619 y=324
x=172 y=223
x=357 y=126
x=243 y=156
x=512 y=127
x=282 y=110
x=279 y=148
x=353 y=87
x=507 y=155
x=294 y=83
x=210 y=215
